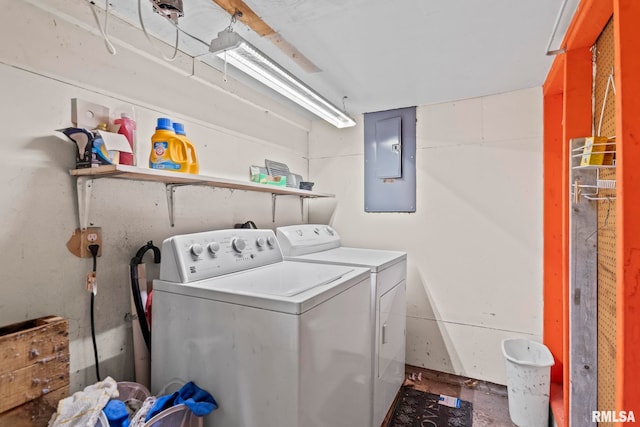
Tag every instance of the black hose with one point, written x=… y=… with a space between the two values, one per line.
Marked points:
x=94 y=252
x=93 y=337
x=137 y=301
x=135 y=288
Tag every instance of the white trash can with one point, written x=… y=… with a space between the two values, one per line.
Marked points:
x=528 y=381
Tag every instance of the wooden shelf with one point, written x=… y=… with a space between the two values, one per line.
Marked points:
x=179 y=178
x=172 y=180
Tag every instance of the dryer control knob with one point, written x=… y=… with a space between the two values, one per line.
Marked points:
x=317 y=231
x=196 y=250
x=260 y=242
x=238 y=244
x=271 y=241
x=214 y=247
x=329 y=230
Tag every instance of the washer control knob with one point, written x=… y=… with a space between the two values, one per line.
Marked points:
x=271 y=241
x=329 y=230
x=299 y=232
x=196 y=250
x=214 y=247
x=317 y=231
x=260 y=242
x=238 y=244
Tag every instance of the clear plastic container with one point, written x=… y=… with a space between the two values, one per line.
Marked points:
x=130 y=390
x=176 y=416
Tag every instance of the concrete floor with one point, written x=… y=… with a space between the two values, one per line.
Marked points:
x=490 y=405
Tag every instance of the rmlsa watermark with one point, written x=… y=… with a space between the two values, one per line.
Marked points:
x=613 y=416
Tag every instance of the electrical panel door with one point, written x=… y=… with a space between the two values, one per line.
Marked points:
x=390 y=161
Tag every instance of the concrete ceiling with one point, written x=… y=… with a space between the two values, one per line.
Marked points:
x=384 y=54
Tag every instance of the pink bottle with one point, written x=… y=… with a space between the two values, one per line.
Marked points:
x=127 y=128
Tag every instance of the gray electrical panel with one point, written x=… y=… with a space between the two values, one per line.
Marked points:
x=390 y=161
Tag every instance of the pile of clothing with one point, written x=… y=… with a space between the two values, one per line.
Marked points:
x=84 y=408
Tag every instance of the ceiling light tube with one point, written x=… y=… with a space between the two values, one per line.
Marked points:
x=236 y=51
x=560 y=27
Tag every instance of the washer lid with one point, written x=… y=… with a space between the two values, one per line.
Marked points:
x=375 y=259
x=288 y=287
x=285 y=279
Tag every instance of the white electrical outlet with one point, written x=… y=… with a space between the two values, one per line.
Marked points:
x=90 y=236
x=80 y=241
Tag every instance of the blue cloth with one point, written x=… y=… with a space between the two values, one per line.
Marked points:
x=117 y=414
x=199 y=401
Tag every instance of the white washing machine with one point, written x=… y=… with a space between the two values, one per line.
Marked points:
x=321 y=244
x=277 y=343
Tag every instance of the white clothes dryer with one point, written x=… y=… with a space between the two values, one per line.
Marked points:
x=321 y=244
x=277 y=343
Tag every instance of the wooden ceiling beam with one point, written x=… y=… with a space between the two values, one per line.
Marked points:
x=249 y=17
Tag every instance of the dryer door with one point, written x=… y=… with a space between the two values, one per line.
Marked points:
x=391 y=330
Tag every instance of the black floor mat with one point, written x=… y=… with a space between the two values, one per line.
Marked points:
x=417 y=409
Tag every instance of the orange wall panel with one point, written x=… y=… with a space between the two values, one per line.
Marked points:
x=553 y=237
x=627 y=80
x=590 y=18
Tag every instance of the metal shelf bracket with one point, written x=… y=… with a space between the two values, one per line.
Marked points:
x=273 y=207
x=84 y=186
x=171 y=191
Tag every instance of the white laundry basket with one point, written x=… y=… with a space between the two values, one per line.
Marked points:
x=528 y=380
x=103 y=421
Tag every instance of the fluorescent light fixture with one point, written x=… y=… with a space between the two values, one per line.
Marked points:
x=235 y=50
x=560 y=27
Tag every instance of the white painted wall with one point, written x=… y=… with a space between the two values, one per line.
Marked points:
x=475 y=242
x=46 y=59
